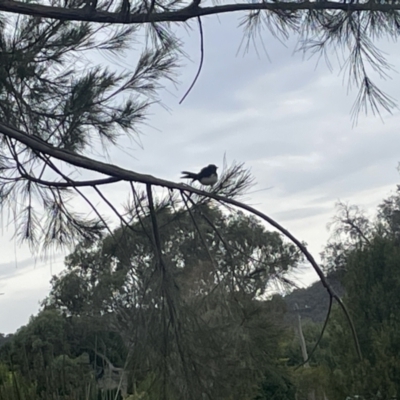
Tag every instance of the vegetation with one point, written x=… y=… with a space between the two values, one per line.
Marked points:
x=364 y=252
x=229 y=343
x=217 y=333
x=175 y=303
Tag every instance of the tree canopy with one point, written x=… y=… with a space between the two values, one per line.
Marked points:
x=198 y=326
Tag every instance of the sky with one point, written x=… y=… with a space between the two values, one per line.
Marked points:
x=282 y=115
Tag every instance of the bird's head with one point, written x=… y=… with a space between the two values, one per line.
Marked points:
x=212 y=168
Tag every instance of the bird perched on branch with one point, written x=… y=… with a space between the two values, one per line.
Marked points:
x=207 y=176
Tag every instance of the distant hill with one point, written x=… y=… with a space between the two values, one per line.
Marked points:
x=312 y=301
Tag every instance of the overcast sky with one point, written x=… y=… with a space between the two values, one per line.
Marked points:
x=286 y=119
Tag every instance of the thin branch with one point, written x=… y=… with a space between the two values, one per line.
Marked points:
x=201 y=60
x=70 y=183
x=92 y=206
x=116 y=212
x=185 y=200
x=156 y=232
x=138 y=213
x=320 y=335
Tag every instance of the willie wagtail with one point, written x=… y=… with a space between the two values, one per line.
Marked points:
x=207 y=176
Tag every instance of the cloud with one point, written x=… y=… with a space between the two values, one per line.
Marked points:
x=24 y=287
x=301 y=213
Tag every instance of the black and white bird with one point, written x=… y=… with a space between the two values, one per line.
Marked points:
x=207 y=176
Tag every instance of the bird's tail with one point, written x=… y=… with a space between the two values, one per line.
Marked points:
x=188 y=175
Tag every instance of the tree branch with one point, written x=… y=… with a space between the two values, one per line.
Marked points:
x=72 y=183
x=184 y=14
x=201 y=60
x=156 y=232
x=108 y=169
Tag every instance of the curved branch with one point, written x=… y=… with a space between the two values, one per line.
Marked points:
x=184 y=14
x=201 y=61
x=320 y=335
x=123 y=174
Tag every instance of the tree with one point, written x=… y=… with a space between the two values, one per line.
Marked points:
x=54 y=355
x=205 y=328
x=372 y=282
x=277 y=386
x=37 y=357
x=352 y=230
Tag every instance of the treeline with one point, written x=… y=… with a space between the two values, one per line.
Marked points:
x=201 y=324
x=364 y=255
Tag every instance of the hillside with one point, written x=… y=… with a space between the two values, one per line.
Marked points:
x=312 y=301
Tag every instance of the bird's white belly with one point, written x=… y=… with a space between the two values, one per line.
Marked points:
x=211 y=180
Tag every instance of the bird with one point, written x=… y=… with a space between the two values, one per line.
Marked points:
x=207 y=176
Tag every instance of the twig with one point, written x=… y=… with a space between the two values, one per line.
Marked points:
x=201 y=237
x=201 y=60
x=156 y=232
